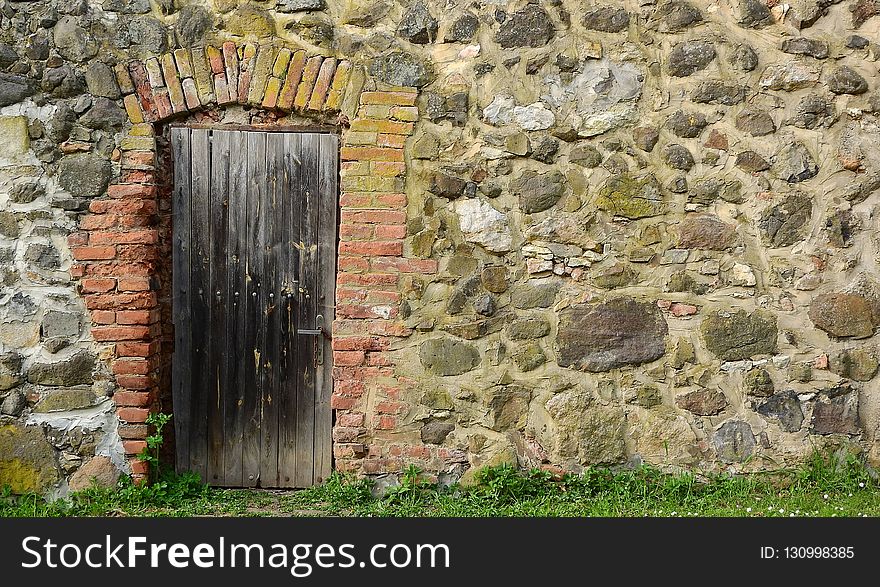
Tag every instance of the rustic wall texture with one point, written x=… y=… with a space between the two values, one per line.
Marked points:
x=572 y=233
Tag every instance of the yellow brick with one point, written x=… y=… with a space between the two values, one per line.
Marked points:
x=281 y=62
x=133 y=109
x=141 y=130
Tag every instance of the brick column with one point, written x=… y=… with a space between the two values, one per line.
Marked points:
x=371 y=263
x=117 y=257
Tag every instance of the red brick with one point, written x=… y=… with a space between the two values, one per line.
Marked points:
x=230 y=60
x=307 y=83
x=93 y=253
x=348 y=358
x=353 y=264
x=144 y=176
x=132 y=398
x=76 y=239
x=357 y=200
x=374 y=216
x=77 y=270
x=138 y=159
x=393 y=231
x=112 y=333
x=365 y=311
x=132 y=431
x=347 y=434
x=404 y=265
x=386 y=423
x=114 y=268
x=389 y=98
x=128 y=301
x=371 y=154
x=134 y=381
x=322 y=84
x=350 y=420
x=131 y=367
x=371 y=248
x=350 y=387
x=136 y=415
x=103 y=316
x=342 y=403
x=379 y=359
x=139 y=468
x=129 y=221
x=98 y=222
x=356 y=232
x=136 y=349
x=134 y=284
x=163 y=103
x=97 y=285
x=133 y=317
x=392 y=200
x=132 y=237
x=134 y=447
x=128 y=190
x=291 y=81
x=418 y=452
x=389 y=140
x=215 y=59
x=138 y=252
x=131 y=205
x=359 y=343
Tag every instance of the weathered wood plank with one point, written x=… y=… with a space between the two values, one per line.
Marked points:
x=326 y=281
x=291 y=212
x=256 y=301
x=218 y=352
x=181 y=220
x=272 y=353
x=307 y=345
x=237 y=296
x=200 y=300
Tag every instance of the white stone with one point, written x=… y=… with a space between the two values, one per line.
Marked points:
x=732 y=366
x=808 y=282
x=710 y=267
x=534 y=266
x=16 y=141
x=742 y=275
x=482 y=224
x=533 y=117
x=500 y=111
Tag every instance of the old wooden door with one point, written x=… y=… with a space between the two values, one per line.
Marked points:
x=254 y=231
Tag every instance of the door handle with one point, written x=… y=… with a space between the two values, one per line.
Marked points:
x=318 y=331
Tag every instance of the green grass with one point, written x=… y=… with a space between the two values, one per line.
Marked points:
x=827 y=485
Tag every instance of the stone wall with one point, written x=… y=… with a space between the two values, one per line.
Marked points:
x=571 y=233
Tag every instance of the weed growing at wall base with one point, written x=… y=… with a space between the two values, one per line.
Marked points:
x=827 y=486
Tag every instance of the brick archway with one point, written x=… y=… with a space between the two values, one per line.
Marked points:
x=122 y=240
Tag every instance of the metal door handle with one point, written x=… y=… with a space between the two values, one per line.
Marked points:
x=319 y=331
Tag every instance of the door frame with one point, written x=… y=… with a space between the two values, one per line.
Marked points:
x=328 y=246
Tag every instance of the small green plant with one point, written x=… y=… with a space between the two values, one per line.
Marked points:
x=150 y=454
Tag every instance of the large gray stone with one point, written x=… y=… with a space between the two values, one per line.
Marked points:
x=77 y=369
x=84 y=175
x=607 y=19
x=9 y=225
x=794 y=163
x=149 y=33
x=859 y=364
x=739 y=335
x=64 y=324
x=755 y=121
x=673 y=17
x=463 y=29
x=72 y=41
x=805 y=46
x=754 y=14
x=66 y=399
x=718 y=92
x=300 y=5
x=27 y=460
x=537 y=191
x=194 y=22
x=604 y=336
x=687 y=125
x=846 y=80
x=529 y=295
x=782 y=224
x=446 y=356
x=401 y=69
x=689 y=57
x=10 y=370
x=813 y=111
x=788 y=76
x=101 y=81
x=734 y=441
x=13 y=404
x=678 y=157
x=104 y=114
x=43 y=256
x=418 y=25
x=436 y=431
x=786 y=408
x=15 y=88
x=529 y=27
x=527 y=328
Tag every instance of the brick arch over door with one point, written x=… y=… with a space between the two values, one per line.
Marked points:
x=119 y=246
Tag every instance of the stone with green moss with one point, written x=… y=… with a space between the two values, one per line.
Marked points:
x=631 y=197
x=529 y=357
x=65 y=399
x=27 y=460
